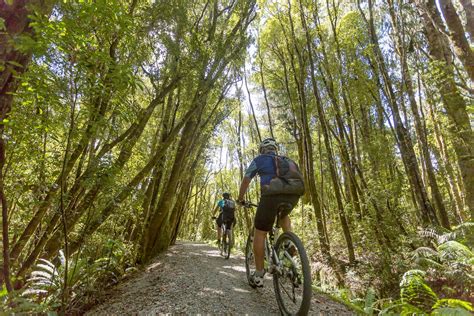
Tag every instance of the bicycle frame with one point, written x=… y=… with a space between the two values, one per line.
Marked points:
x=282 y=264
x=270 y=252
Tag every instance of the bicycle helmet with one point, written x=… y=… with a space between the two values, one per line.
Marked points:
x=268 y=144
x=226 y=195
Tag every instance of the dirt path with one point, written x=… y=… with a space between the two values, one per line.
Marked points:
x=193 y=278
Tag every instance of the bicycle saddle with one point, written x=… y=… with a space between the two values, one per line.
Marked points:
x=282 y=207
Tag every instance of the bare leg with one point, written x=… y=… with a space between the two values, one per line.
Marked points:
x=259 y=248
x=285 y=223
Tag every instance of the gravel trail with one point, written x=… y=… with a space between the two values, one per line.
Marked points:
x=192 y=278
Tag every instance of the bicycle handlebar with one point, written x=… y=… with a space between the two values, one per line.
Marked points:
x=247 y=204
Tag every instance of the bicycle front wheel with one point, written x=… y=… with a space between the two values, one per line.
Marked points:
x=249 y=258
x=292 y=281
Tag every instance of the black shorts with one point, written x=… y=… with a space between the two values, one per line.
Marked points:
x=268 y=207
x=228 y=221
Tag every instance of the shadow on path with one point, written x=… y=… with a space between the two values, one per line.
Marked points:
x=193 y=278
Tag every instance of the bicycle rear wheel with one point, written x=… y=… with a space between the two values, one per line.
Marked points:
x=228 y=243
x=292 y=282
x=249 y=258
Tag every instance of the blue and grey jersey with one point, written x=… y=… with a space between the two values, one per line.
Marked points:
x=264 y=166
x=221 y=205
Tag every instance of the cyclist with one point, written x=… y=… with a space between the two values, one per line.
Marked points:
x=264 y=165
x=226 y=206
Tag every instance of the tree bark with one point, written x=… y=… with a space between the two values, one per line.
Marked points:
x=454 y=103
x=12 y=64
x=419 y=128
x=456 y=34
x=325 y=129
x=426 y=211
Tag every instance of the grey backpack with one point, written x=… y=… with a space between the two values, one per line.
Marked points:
x=288 y=178
x=229 y=208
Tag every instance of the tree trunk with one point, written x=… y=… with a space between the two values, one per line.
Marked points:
x=455 y=105
x=325 y=129
x=456 y=34
x=426 y=211
x=419 y=128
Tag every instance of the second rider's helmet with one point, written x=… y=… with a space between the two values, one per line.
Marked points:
x=268 y=144
x=226 y=195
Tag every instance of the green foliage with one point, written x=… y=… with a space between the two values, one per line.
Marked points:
x=453 y=303
x=101 y=76
x=448 y=267
x=46 y=283
x=414 y=290
x=369 y=302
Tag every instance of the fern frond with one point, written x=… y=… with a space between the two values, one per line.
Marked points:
x=47 y=262
x=448 y=237
x=62 y=258
x=429 y=233
x=34 y=292
x=455 y=303
x=428 y=263
x=409 y=275
x=326 y=273
x=414 y=290
x=392 y=309
x=451 y=311
x=42 y=274
x=455 y=252
x=410 y=310
x=465 y=225
x=424 y=252
x=45 y=267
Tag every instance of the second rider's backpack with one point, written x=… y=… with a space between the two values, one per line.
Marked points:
x=288 y=178
x=228 y=209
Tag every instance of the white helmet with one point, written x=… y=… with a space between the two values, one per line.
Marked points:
x=267 y=143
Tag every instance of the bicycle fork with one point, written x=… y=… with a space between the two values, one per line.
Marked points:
x=271 y=254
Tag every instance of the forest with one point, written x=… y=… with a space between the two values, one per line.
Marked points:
x=123 y=122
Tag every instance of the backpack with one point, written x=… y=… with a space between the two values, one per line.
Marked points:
x=288 y=178
x=228 y=209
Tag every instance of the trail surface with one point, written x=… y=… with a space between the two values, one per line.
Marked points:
x=192 y=278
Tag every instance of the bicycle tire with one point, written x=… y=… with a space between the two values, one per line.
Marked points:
x=306 y=273
x=224 y=242
x=249 y=258
x=228 y=246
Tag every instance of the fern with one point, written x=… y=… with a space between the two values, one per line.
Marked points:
x=449 y=265
x=453 y=251
x=424 y=252
x=457 y=233
x=415 y=291
x=369 y=302
x=451 y=311
x=453 y=303
x=429 y=233
x=326 y=275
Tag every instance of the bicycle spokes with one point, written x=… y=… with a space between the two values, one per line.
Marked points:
x=293 y=280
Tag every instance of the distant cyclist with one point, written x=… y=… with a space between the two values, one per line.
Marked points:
x=281 y=183
x=226 y=208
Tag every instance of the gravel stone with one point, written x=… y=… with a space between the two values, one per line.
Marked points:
x=192 y=278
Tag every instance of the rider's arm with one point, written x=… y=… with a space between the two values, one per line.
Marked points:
x=243 y=187
x=215 y=210
x=218 y=207
x=249 y=174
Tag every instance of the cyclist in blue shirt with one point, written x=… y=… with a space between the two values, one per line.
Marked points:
x=229 y=218
x=267 y=209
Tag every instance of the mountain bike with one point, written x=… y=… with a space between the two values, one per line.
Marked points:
x=227 y=242
x=287 y=261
